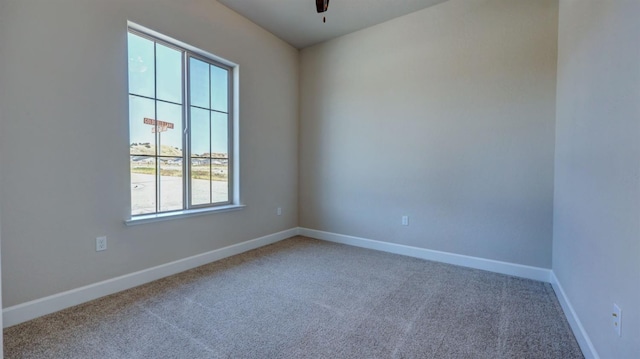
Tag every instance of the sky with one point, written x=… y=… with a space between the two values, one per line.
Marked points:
x=163 y=79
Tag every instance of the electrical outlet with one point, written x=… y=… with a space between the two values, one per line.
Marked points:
x=101 y=244
x=405 y=220
x=617 y=319
x=279 y=211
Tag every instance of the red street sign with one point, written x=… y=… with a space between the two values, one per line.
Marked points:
x=158 y=126
x=150 y=121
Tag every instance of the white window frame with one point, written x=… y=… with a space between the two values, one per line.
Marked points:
x=189 y=209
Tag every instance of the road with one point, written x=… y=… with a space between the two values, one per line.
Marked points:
x=143 y=192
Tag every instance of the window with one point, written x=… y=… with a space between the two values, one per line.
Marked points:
x=181 y=127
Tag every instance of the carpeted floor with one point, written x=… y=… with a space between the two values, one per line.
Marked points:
x=303 y=298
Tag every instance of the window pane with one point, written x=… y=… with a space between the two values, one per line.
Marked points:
x=200 y=140
x=141 y=137
x=170 y=184
x=200 y=181
x=143 y=184
x=199 y=83
x=141 y=66
x=170 y=129
x=219 y=89
x=219 y=134
x=169 y=74
x=220 y=180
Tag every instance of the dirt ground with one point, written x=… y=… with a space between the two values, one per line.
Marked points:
x=143 y=192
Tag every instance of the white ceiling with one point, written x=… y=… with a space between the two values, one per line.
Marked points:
x=298 y=23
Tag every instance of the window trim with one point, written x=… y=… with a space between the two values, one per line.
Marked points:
x=233 y=183
x=165 y=216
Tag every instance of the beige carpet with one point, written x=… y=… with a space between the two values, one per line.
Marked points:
x=303 y=298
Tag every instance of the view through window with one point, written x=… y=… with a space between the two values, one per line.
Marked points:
x=180 y=127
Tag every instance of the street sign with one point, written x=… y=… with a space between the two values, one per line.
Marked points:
x=158 y=126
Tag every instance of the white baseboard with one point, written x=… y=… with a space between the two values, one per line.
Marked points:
x=516 y=270
x=39 y=307
x=580 y=333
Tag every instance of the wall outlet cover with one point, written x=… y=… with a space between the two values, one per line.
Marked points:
x=101 y=243
x=617 y=319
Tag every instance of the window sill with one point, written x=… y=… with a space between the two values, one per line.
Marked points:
x=150 y=218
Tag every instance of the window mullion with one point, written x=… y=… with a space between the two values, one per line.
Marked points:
x=210 y=143
x=155 y=116
x=230 y=129
x=186 y=146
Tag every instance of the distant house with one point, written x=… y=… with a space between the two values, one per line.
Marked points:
x=142 y=159
x=199 y=161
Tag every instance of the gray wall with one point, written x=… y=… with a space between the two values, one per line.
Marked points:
x=64 y=139
x=596 y=247
x=445 y=115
